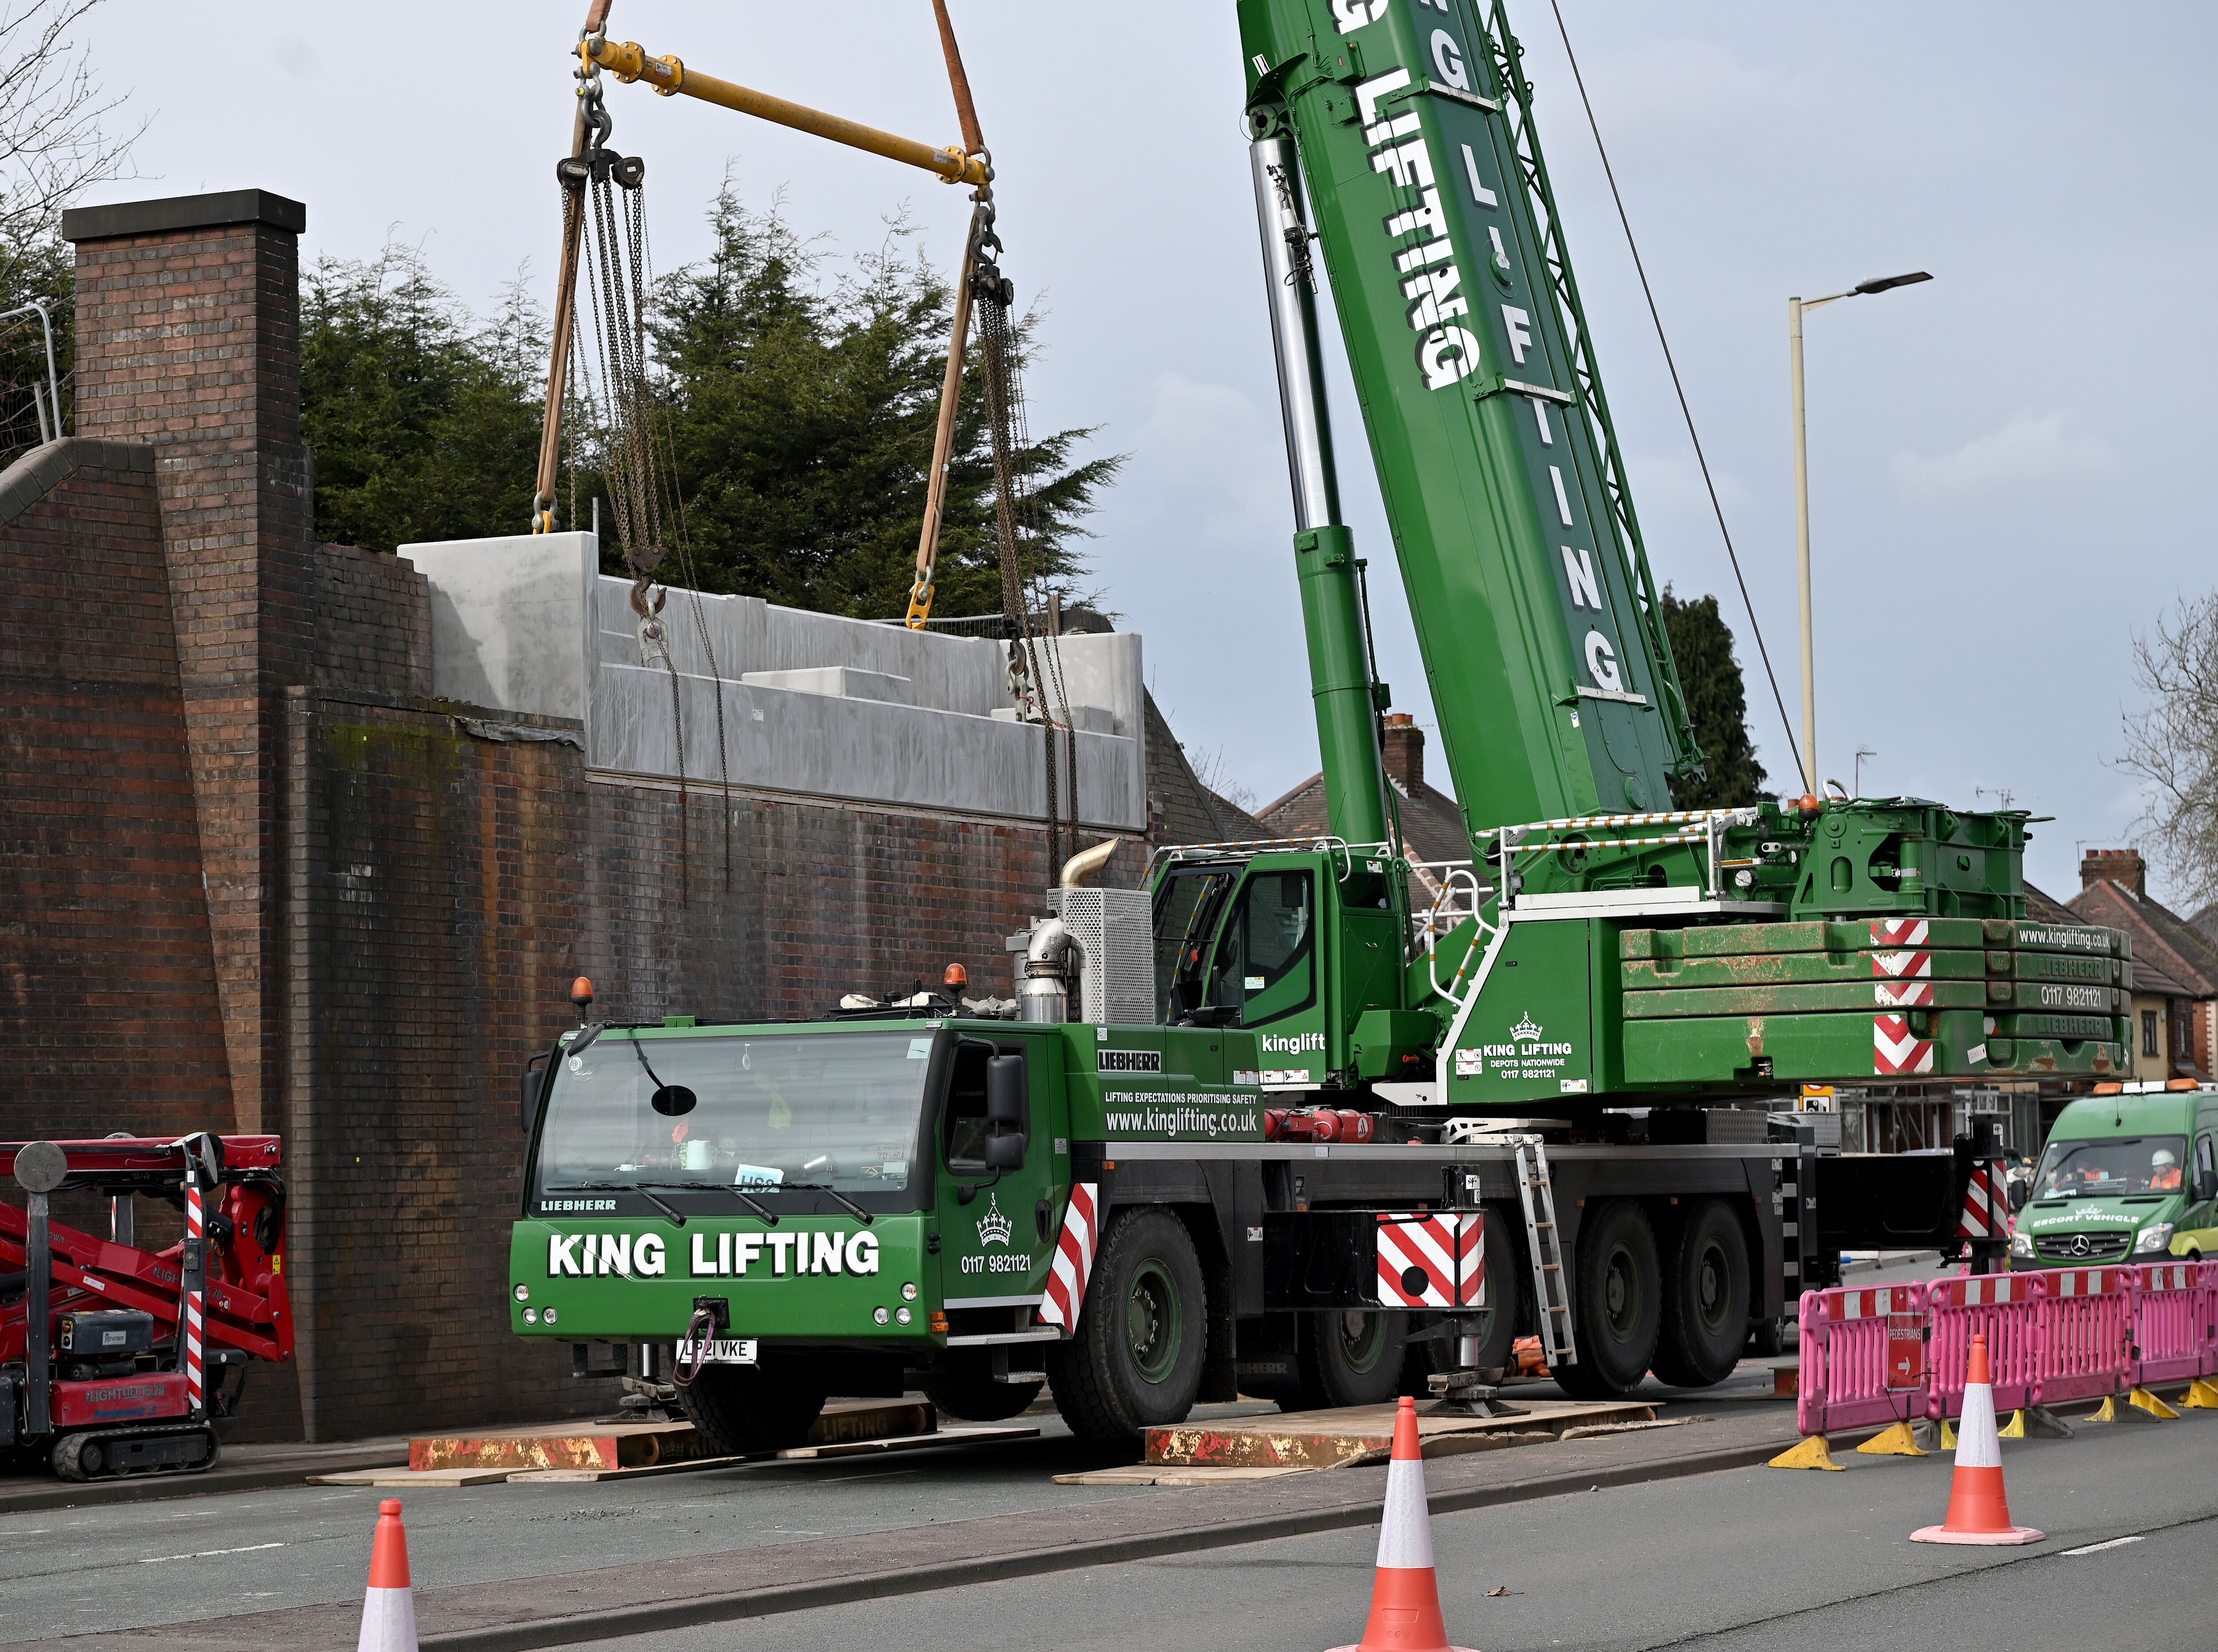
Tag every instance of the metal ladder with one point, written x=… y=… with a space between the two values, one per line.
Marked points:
x=1544 y=1239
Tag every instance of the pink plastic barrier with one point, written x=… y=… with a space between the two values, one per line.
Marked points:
x=1885 y=1353
x=1857 y=1358
x=2002 y=1306
x=2173 y=1332
x=2086 y=1322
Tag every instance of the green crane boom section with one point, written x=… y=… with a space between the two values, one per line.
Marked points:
x=1534 y=608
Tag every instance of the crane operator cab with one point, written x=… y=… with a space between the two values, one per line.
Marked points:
x=1298 y=945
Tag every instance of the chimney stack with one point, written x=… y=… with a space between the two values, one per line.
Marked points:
x=1405 y=752
x=2120 y=866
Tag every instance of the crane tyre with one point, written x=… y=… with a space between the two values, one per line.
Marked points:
x=1617 y=1303
x=1705 y=1288
x=1136 y=1360
x=1350 y=1357
x=966 y=1388
x=739 y=1410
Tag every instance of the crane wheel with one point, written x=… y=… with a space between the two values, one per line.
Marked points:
x=1706 y=1292
x=739 y=1410
x=1617 y=1303
x=1136 y=1360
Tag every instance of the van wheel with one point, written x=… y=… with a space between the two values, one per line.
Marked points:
x=1618 y=1304
x=1705 y=1288
x=739 y=1410
x=1143 y=1335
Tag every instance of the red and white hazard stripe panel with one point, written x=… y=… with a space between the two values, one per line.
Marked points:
x=1431 y=1261
x=1899 y=931
x=194 y=1329
x=1983 y=1216
x=2170 y=1276
x=2086 y=1281
x=1980 y=1290
x=1073 y=1257
x=1873 y=1302
x=1896 y=1050
x=1910 y=995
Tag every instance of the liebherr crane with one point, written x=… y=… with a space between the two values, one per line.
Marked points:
x=1151 y=1187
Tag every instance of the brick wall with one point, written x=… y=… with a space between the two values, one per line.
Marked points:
x=107 y=1006
x=373 y=624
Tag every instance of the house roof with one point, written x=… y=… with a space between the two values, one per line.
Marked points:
x=2170 y=956
x=1180 y=808
x=2047 y=908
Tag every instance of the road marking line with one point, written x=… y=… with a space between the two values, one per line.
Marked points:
x=2097 y=1548
x=210 y=1554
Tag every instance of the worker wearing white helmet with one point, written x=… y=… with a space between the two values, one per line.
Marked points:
x=2164 y=1171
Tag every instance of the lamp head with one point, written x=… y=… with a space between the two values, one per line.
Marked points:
x=1883 y=283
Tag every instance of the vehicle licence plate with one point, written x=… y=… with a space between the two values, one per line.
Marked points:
x=731 y=1350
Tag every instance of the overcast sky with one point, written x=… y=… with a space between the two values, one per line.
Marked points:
x=2004 y=461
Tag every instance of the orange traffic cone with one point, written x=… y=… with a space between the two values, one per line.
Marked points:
x=1978 y=1512
x=1406 y=1600
x=389 y=1609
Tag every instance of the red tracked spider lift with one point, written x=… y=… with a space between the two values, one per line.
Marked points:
x=116 y=1360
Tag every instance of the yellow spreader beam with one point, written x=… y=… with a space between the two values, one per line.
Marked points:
x=629 y=61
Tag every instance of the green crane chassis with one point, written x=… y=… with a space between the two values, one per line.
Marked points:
x=791 y=1212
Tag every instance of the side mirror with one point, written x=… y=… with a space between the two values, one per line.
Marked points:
x=1006 y=1104
x=1006 y=1152
x=2019 y=1193
x=2206 y=1186
x=534 y=1077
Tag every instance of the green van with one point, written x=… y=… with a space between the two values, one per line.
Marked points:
x=2124 y=1178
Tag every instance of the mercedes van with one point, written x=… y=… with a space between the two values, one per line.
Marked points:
x=2124 y=1178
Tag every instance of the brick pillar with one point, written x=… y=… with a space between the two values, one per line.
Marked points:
x=189 y=338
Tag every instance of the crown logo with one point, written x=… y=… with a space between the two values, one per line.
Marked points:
x=1525 y=1029
x=993 y=1228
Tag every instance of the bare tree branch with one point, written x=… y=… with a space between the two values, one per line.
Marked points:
x=2173 y=744
x=53 y=139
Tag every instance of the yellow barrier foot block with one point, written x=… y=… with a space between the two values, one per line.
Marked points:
x=2149 y=1402
x=1899 y=1440
x=2106 y=1412
x=2202 y=1396
x=1811 y=1453
x=1948 y=1435
x=2015 y=1427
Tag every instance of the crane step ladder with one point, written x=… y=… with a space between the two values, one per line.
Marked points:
x=1544 y=1244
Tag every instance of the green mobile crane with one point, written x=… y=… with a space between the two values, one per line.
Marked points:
x=1261 y=1127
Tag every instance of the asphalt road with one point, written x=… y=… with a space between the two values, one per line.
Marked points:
x=69 y=1572
x=1729 y=1562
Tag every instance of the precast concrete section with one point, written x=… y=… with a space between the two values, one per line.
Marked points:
x=813 y=704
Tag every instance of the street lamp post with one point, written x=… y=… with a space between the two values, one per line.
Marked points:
x=1795 y=307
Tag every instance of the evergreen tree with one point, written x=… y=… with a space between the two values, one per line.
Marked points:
x=802 y=416
x=1717 y=703
x=424 y=423
x=35 y=264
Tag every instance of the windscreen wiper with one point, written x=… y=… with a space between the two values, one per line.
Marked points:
x=769 y=1216
x=861 y=1214
x=676 y=1216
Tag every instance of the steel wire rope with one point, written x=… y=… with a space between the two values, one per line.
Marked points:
x=1686 y=413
